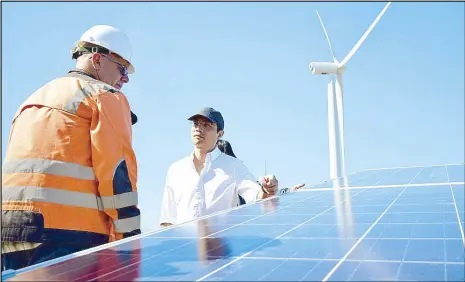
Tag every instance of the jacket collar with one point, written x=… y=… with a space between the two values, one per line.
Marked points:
x=80 y=72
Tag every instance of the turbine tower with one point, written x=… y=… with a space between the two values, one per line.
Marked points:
x=335 y=70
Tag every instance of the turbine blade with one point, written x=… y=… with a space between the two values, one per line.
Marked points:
x=327 y=38
x=355 y=48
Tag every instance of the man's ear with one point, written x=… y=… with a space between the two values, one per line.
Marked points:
x=96 y=57
x=220 y=134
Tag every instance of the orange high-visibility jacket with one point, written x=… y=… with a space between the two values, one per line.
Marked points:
x=70 y=172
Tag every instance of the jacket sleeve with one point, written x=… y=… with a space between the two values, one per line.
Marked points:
x=114 y=162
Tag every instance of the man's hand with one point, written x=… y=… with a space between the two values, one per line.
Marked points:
x=269 y=184
x=297 y=187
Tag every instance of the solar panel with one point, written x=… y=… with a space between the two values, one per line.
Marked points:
x=389 y=224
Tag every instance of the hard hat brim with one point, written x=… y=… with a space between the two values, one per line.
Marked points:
x=131 y=69
x=81 y=43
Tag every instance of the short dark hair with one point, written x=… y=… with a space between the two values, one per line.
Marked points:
x=225 y=147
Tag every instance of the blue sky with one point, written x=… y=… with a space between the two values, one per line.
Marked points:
x=403 y=90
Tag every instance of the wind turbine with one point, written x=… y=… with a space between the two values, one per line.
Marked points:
x=335 y=70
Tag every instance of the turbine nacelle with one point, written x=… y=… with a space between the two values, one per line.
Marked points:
x=326 y=68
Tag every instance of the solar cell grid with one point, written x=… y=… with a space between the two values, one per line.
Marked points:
x=402 y=176
x=398 y=233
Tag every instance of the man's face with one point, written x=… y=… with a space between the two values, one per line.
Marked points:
x=204 y=133
x=112 y=69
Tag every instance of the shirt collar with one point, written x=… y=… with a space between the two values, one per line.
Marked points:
x=211 y=156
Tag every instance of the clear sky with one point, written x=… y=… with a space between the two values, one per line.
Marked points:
x=403 y=90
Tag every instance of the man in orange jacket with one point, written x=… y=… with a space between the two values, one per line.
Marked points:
x=69 y=174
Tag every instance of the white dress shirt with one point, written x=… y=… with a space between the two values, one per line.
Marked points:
x=189 y=195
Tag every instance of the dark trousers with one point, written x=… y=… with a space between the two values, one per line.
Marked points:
x=46 y=251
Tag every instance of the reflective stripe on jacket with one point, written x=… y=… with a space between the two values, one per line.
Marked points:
x=70 y=172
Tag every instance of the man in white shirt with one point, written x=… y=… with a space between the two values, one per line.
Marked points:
x=209 y=181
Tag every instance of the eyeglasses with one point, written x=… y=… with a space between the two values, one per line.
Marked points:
x=122 y=68
x=207 y=125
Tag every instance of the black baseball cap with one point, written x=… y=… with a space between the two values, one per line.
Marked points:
x=212 y=115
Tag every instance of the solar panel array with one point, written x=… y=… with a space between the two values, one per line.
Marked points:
x=391 y=224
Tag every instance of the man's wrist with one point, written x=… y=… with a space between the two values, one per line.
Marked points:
x=264 y=190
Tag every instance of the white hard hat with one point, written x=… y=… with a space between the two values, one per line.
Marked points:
x=109 y=38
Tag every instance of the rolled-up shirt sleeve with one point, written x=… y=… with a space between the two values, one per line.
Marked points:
x=247 y=186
